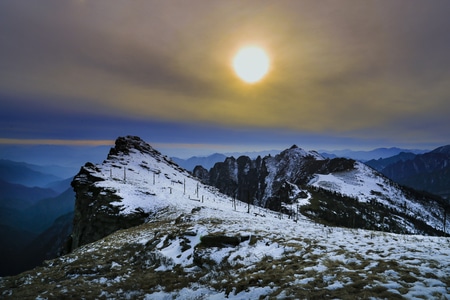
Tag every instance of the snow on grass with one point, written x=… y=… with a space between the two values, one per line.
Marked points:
x=363 y=184
x=287 y=259
x=336 y=256
x=280 y=259
x=360 y=183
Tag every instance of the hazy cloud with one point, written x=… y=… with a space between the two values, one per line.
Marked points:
x=349 y=68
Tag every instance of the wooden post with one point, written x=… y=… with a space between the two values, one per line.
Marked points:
x=248 y=201
x=445 y=220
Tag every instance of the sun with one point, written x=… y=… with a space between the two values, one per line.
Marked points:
x=251 y=64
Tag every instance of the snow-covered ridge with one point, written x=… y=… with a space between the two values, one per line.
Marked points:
x=273 y=257
x=133 y=185
x=166 y=259
x=145 y=180
x=285 y=167
x=361 y=183
x=282 y=181
x=296 y=152
x=366 y=185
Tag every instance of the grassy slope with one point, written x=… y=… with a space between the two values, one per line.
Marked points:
x=283 y=259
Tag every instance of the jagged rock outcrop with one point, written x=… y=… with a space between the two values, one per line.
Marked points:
x=270 y=181
x=95 y=217
x=201 y=173
x=337 y=191
x=242 y=178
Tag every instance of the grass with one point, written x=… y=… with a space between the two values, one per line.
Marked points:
x=306 y=270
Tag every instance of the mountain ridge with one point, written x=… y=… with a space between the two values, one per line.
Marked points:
x=25 y=174
x=278 y=182
x=365 y=155
x=197 y=243
x=429 y=171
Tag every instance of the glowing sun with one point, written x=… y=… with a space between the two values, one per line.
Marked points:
x=251 y=64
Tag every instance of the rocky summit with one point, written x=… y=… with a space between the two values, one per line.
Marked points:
x=336 y=191
x=101 y=190
x=146 y=229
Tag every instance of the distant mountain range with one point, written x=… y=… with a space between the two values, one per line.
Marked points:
x=205 y=161
x=419 y=169
x=25 y=174
x=65 y=157
x=32 y=198
x=370 y=154
x=208 y=161
x=429 y=171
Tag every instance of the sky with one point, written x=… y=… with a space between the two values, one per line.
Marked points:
x=343 y=74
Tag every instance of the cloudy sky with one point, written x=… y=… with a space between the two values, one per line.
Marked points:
x=343 y=74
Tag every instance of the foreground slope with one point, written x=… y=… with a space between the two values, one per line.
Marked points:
x=195 y=243
x=209 y=251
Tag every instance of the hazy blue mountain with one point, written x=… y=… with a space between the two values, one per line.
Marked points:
x=381 y=163
x=254 y=154
x=20 y=246
x=25 y=174
x=61 y=185
x=19 y=196
x=429 y=171
x=49 y=243
x=12 y=243
x=59 y=171
x=35 y=215
x=371 y=154
x=71 y=157
x=30 y=202
x=21 y=250
x=208 y=162
x=205 y=161
x=41 y=215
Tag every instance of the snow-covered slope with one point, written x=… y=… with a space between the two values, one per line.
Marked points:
x=199 y=244
x=288 y=166
x=133 y=185
x=367 y=185
x=337 y=191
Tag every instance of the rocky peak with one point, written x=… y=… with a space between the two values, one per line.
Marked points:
x=125 y=145
x=297 y=152
x=201 y=173
x=261 y=180
x=99 y=205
